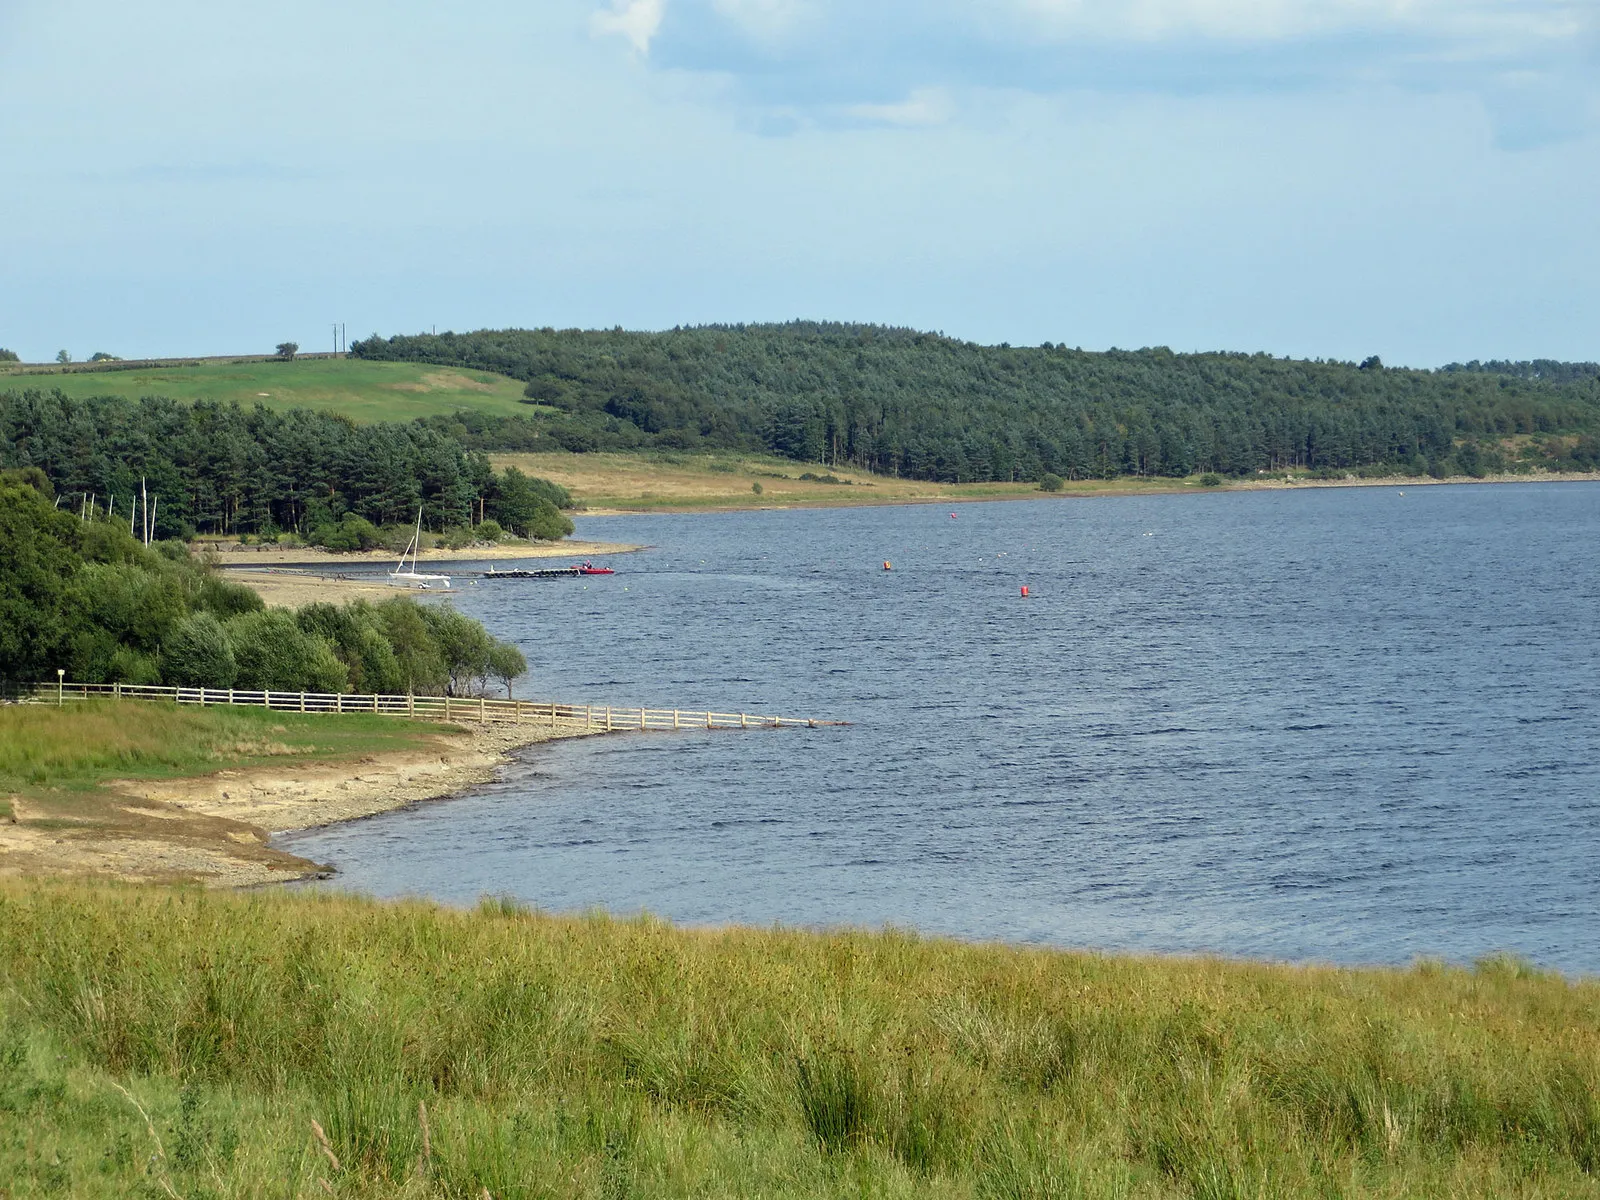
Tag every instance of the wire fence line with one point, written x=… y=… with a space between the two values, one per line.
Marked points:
x=594 y=718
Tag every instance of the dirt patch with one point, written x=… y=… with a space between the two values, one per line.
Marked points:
x=445 y=381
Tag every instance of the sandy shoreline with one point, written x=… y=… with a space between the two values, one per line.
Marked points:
x=290 y=577
x=216 y=829
x=1091 y=490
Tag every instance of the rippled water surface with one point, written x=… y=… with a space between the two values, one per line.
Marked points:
x=1349 y=724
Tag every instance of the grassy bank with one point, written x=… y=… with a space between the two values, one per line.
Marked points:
x=183 y=1043
x=73 y=783
x=363 y=391
x=679 y=481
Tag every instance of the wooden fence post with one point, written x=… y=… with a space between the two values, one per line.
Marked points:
x=302 y=701
x=482 y=710
x=447 y=706
x=411 y=704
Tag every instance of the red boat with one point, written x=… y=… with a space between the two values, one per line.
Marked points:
x=588 y=568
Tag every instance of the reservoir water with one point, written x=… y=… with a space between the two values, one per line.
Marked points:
x=1356 y=725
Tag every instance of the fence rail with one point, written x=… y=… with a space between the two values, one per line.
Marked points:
x=592 y=718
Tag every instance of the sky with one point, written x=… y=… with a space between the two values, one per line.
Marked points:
x=1417 y=179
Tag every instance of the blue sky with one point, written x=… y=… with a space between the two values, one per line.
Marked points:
x=1418 y=179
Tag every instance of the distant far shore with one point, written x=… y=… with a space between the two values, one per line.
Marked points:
x=661 y=492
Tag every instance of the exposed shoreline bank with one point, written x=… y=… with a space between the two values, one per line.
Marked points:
x=1078 y=490
x=216 y=829
x=289 y=578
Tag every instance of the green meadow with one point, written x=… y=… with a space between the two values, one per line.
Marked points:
x=364 y=391
x=176 y=1043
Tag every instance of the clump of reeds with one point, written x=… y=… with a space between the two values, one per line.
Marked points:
x=445 y=1053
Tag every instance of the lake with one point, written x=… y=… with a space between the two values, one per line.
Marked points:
x=1354 y=725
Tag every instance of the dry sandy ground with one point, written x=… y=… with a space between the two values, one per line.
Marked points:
x=231 y=554
x=289 y=578
x=214 y=829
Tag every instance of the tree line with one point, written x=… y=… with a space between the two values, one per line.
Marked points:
x=222 y=468
x=81 y=594
x=923 y=405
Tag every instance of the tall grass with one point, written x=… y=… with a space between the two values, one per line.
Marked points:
x=155 y=1040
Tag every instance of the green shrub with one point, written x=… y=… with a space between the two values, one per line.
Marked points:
x=1211 y=479
x=1049 y=482
x=197 y=653
x=756 y=487
x=274 y=654
x=349 y=534
x=490 y=531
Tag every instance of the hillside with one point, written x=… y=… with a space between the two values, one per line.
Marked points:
x=921 y=405
x=363 y=391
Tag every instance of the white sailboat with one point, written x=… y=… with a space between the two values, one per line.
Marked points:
x=404 y=578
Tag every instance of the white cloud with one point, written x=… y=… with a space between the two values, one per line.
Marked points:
x=924 y=106
x=1274 y=20
x=1535 y=63
x=769 y=21
x=636 y=20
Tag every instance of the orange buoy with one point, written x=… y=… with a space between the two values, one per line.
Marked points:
x=1024 y=591
x=886 y=565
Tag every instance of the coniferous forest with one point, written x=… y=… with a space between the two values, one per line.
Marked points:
x=930 y=407
x=220 y=468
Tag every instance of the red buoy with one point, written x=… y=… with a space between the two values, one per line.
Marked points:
x=886 y=566
x=1024 y=591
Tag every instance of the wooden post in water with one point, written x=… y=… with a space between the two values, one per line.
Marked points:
x=641 y=719
x=588 y=717
x=608 y=718
x=674 y=719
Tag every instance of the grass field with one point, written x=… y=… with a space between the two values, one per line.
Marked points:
x=662 y=480
x=364 y=391
x=161 y=1043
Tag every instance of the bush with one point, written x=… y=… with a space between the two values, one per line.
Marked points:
x=1049 y=482
x=274 y=654
x=197 y=653
x=490 y=531
x=1211 y=479
x=350 y=534
x=756 y=487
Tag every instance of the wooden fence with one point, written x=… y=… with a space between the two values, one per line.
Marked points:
x=572 y=718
